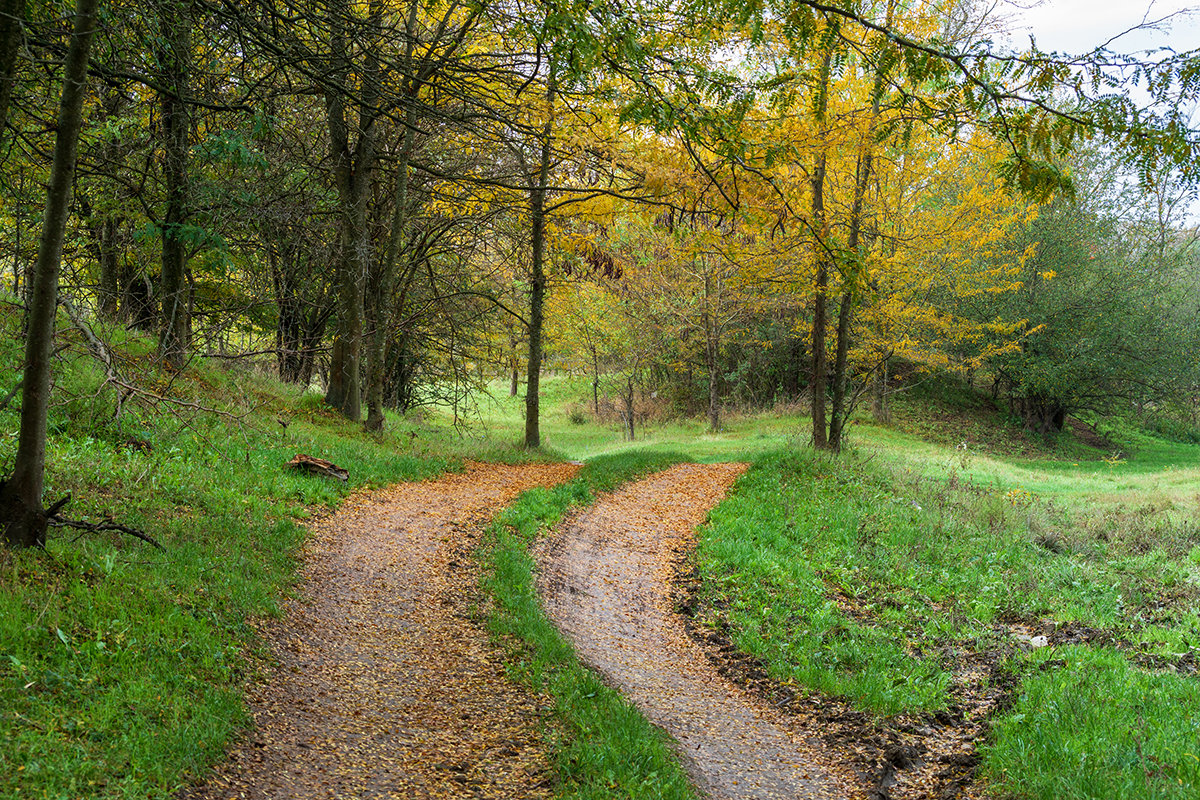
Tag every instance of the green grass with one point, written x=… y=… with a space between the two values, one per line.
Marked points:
x=743 y=435
x=860 y=580
x=601 y=746
x=122 y=668
x=1088 y=725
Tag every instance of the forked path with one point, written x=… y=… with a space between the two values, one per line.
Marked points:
x=383 y=687
x=606 y=582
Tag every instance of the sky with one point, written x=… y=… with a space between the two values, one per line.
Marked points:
x=1078 y=26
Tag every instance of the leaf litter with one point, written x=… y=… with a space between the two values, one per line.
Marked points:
x=382 y=683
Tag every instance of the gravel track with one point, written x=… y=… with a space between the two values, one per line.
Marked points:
x=383 y=686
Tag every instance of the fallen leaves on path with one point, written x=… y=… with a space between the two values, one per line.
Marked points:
x=384 y=686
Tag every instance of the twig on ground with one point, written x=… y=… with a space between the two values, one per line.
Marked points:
x=8 y=398
x=54 y=520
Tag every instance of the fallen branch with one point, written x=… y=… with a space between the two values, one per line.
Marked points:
x=318 y=466
x=54 y=520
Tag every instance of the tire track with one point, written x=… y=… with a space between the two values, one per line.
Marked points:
x=606 y=583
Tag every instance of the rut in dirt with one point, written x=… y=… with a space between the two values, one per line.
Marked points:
x=384 y=686
x=606 y=581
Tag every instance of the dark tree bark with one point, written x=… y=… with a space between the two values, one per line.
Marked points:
x=21 y=513
x=537 y=284
x=109 y=290
x=382 y=316
x=819 y=379
x=353 y=176
x=107 y=222
x=175 y=29
x=12 y=17
x=300 y=299
x=820 y=367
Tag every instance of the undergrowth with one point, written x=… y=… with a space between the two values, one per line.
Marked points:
x=602 y=746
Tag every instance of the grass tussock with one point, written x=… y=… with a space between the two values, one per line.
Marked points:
x=602 y=746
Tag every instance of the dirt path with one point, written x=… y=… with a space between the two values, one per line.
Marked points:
x=384 y=688
x=606 y=582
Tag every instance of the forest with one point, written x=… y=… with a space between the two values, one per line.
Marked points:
x=404 y=236
x=399 y=202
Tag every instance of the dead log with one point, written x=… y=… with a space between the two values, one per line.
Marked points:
x=318 y=466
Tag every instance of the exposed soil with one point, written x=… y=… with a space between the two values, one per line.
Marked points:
x=607 y=583
x=383 y=684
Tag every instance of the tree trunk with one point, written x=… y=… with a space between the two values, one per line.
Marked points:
x=821 y=279
x=21 y=513
x=595 y=382
x=109 y=290
x=879 y=407
x=290 y=326
x=335 y=389
x=854 y=269
x=839 y=412
x=537 y=287
x=714 y=383
x=820 y=295
x=353 y=174
x=383 y=308
x=376 y=362
x=175 y=59
x=12 y=16
x=627 y=398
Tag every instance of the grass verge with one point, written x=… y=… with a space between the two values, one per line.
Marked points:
x=602 y=746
